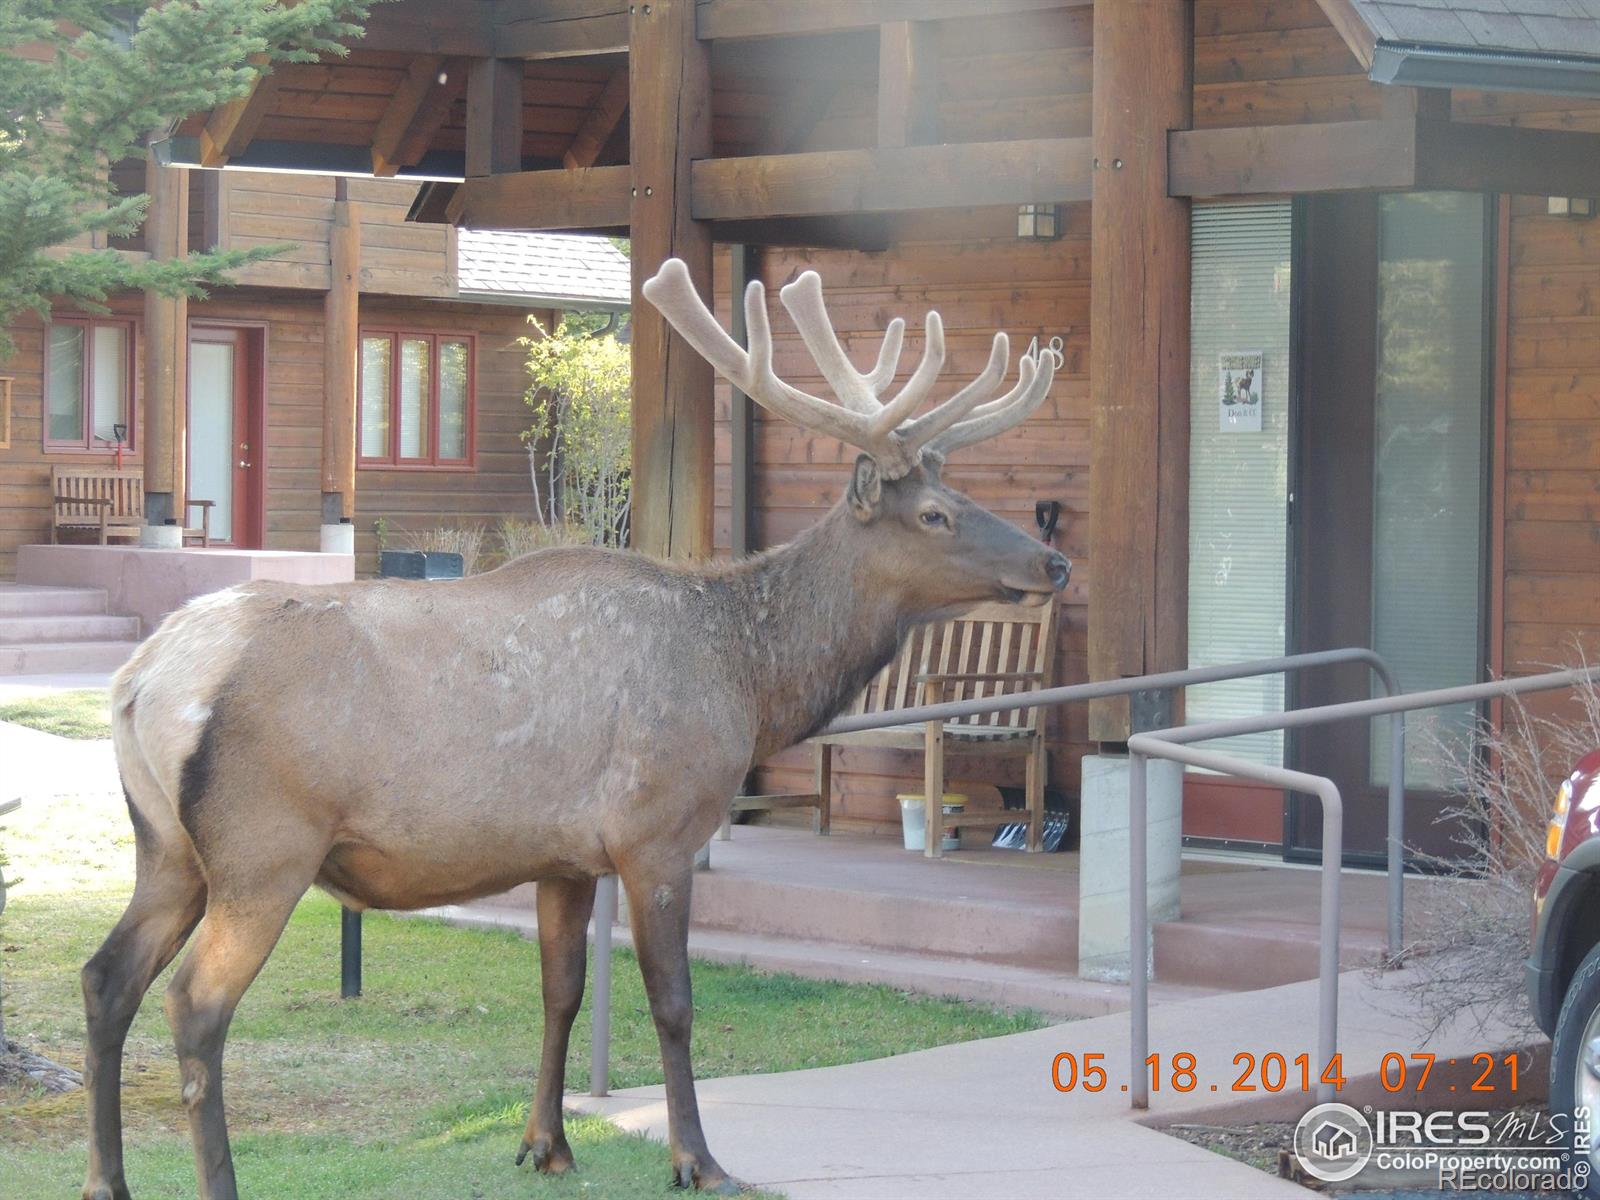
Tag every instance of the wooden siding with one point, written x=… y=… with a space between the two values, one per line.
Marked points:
x=268 y=209
x=980 y=280
x=25 y=467
x=497 y=485
x=1551 y=458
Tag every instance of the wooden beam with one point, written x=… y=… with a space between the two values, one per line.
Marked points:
x=453 y=27
x=899 y=179
x=1353 y=28
x=1384 y=155
x=1509 y=159
x=341 y=315
x=231 y=125
x=560 y=28
x=597 y=127
x=415 y=112
x=494 y=116
x=670 y=124
x=166 y=345
x=587 y=198
x=767 y=18
x=1139 y=355
x=908 y=84
x=1277 y=159
x=861 y=231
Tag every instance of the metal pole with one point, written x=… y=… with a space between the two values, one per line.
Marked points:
x=605 y=916
x=1328 y=960
x=1139 y=924
x=1397 y=834
x=349 y=953
x=1152 y=745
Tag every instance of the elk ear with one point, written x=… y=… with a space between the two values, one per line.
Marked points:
x=866 y=489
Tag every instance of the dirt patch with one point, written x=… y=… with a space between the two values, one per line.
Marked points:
x=1268 y=1146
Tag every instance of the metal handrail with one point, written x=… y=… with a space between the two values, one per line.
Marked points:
x=606 y=895
x=1173 y=744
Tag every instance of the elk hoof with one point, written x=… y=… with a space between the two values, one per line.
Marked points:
x=106 y=1191
x=705 y=1177
x=550 y=1155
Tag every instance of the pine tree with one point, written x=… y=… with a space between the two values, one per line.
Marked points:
x=84 y=84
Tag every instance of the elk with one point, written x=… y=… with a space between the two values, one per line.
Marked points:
x=574 y=713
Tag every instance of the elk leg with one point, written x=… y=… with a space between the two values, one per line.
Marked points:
x=564 y=908
x=238 y=933
x=167 y=902
x=658 y=912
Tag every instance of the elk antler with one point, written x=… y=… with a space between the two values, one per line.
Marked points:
x=888 y=431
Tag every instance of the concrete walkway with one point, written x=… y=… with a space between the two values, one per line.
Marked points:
x=983 y=1119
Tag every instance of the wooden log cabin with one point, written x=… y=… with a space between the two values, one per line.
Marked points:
x=438 y=378
x=1326 y=272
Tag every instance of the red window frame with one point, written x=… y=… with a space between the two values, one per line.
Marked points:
x=432 y=461
x=85 y=443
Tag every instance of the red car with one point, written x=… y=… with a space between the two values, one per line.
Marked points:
x=1563 y=970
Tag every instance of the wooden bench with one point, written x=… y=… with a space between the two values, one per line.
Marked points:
x=109 y=502
x=991 y=650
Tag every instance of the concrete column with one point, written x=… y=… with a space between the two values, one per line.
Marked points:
x=1103 y=951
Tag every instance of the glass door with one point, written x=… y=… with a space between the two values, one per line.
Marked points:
x=221 y=451
x=1393 y=465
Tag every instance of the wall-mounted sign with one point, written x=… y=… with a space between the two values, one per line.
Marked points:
x=1240 y=378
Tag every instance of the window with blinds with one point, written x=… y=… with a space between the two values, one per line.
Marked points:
x=1239 y=474
x=1428 y=457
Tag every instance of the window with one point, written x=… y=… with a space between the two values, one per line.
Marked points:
x=1239 y=471
x=417 y=399
x=88 y=383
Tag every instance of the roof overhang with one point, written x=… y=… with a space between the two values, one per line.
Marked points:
x=541 y=300
x=308 y=158
x=1484 y=70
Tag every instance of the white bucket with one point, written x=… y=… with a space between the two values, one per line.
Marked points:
x=914 y=821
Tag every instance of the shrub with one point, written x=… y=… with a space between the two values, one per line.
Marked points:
x=514 y=538
x=582 y=433
x=1472 y=935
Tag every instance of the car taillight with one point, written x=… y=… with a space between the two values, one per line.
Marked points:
x=1558 y=821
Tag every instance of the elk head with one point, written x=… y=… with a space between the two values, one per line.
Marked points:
x=941 y=549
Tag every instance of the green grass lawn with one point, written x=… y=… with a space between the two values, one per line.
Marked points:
x=79 y=715
x=419 y=1089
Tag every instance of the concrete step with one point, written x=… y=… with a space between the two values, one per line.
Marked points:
x=1057 y=993
x=957 y=924
x=36 y=600
x=69 y=627
x=1243 y=956
x=52 y=658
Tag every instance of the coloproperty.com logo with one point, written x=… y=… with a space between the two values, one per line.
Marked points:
x=1469 y=1151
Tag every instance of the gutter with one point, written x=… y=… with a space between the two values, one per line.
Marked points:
x=528 y=300
x=1424 y=66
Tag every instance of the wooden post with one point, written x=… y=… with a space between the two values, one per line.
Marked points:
x=166 y=345
x=908 y=101
x=741 y=419
x=670 y=102
x=1139 y=355
x=494 y=116
x=341 y=317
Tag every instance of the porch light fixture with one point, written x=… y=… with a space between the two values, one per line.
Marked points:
x=1038 y=222
x=1579 y=208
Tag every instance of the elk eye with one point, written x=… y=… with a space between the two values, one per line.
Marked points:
x=933 y=518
